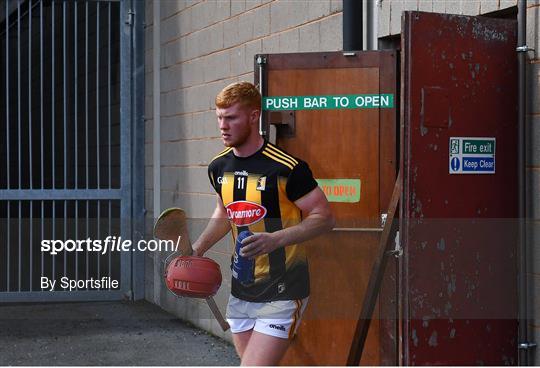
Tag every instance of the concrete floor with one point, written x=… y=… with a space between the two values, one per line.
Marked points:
x=106 y=333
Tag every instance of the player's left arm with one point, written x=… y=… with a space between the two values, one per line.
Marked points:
x=318 y=219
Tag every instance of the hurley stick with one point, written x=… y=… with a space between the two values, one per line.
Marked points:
x=172 y=224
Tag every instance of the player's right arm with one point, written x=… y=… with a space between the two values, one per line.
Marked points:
x=216 y=229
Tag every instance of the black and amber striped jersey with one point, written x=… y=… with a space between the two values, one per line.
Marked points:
x=258 y=193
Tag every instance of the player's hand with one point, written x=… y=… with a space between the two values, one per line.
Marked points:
x=259 y=244
x=196 y=251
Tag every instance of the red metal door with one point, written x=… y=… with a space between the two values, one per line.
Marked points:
x=459 y=78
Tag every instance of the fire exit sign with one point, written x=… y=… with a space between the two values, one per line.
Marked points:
x=472 y=155
x=367 y=101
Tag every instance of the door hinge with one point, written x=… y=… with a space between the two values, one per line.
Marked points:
x=527 y=345
x=261 y=59
x=129 y=17
x=524 y=48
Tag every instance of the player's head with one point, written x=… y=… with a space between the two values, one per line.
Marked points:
x=244 y=93
x=238 y=108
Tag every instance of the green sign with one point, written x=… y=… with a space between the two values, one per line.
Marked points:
x=340 y=190
x=478 y=147
x=371 y=101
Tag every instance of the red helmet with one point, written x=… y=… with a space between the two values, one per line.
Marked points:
x=192 y=276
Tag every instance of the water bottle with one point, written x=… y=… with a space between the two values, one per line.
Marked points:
x=243 y=268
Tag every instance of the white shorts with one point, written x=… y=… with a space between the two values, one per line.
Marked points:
x=279 y=318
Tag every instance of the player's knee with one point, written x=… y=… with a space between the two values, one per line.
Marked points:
x=264 y=350
x=240 y=341
x=262 y=357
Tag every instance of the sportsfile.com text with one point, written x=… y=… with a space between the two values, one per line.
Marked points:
x=109 y=244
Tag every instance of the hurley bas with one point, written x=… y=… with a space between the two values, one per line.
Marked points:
x=69 y=284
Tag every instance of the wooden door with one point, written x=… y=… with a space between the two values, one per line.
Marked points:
x=353 y=152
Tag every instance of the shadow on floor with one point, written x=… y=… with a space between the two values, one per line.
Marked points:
x=105 y=333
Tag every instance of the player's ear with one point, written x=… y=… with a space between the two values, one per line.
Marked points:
x=254 y=115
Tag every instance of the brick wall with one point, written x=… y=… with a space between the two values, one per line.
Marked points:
x=390 y=10
x=206 y=45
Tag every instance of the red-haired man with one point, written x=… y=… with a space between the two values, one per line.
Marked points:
x=265 y=190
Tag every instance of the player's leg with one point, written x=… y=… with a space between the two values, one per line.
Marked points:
x=241 y=341
x=264 y=350
x=241 y=323
x=276 y=325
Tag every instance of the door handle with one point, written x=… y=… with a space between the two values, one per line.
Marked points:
x=284 y=121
